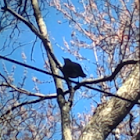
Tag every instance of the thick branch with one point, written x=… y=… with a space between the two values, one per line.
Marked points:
x=65 y=117
x=110 y=114
x=64 y=107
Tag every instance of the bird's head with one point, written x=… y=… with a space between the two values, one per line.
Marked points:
x=67 y=61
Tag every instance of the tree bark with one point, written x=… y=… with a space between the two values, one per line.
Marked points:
x=111 y=113
x=63 y=105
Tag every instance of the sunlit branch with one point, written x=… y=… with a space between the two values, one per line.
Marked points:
x=33 y=29
x=25 y=103
x=23 y=91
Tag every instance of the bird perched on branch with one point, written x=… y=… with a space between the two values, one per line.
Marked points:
x=72 y=69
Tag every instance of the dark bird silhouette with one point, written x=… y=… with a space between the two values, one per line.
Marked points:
x=72 y=69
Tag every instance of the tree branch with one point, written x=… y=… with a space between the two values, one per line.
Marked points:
x=33 y=29
x=27 y=103
x=111 y=113
x=31 y=67
x=113 y=75
x=78 y=85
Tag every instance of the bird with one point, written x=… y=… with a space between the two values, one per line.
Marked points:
x=72 y=70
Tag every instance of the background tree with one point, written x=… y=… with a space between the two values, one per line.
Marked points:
x=104 y=35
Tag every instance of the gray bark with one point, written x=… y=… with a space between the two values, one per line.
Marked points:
x=111 y=113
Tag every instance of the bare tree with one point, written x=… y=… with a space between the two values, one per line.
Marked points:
x=111 y=32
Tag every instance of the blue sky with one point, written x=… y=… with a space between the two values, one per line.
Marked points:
x=56 y=33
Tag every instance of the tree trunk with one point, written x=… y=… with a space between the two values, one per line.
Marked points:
x=111 y=113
